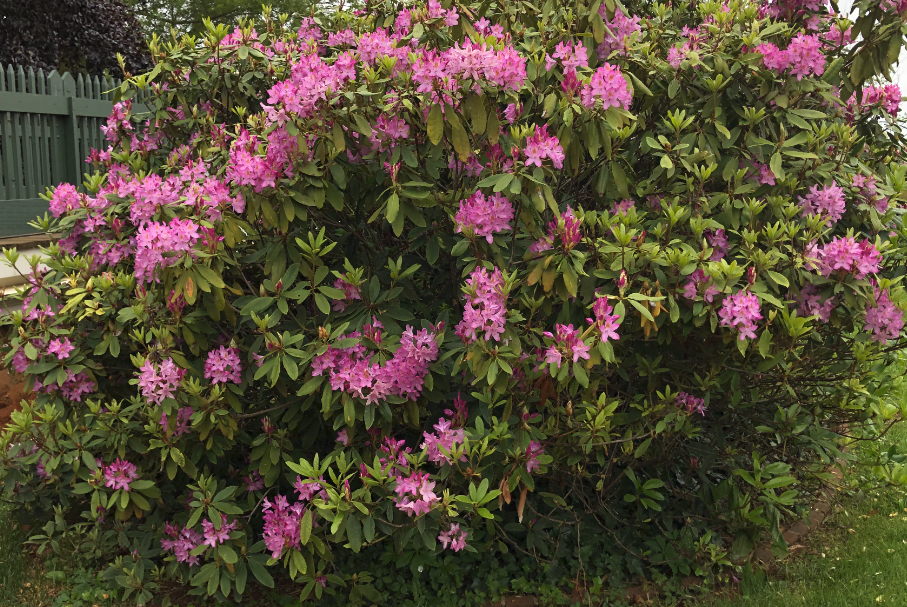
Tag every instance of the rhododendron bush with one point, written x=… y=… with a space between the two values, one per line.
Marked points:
x=461 y=280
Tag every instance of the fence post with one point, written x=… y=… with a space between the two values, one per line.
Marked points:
x=73 y=164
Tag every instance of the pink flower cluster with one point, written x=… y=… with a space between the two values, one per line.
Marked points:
x=214 y=537
x=888 y=97
x=609 y=85
x=867 y=190
x=622 y=207
x=694 y=287
x=119 y=474
x=387 y=131
x=158 y=384
x=253 y=482
x=691 y=403
x=827 y=201
x=619 y=33
x=159 y=245
x=741 y=311
x=281 y=524
x=569 y=233
x=444 y=437
x=844 y=254
x=803 y=57
x=403 y=375
x=567 y=342
x=763 y=173
x=605 y=322
x=65 y=199
x=475 y=61
x=718 y=241
x=897 y=6
x=223 y=365
x=811 y=303
x=787 y=9
x=533 y=451
x=415 y=494
x=486 y=306
x=540 y=145
x=570 y=57
x=483 y=215
x=183 y=542
x=311 y=81
x=885 y=319
x=60 y=346
x=183 y=417
x=350 y=292
x=74 y=387
x=308 y=490
x=453 y=538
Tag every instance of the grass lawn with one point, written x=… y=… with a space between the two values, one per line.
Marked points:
x=12 y=572
x=858 y=558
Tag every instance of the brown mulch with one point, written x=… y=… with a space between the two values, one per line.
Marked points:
x=10 y=396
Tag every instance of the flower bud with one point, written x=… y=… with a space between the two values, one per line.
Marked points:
x=751 y=275
x=622 y=280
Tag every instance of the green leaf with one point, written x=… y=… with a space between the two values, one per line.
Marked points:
x=338 y=137
x=765 y=343
x=781 y=279
x=393 y=207
x=570 y=279
x=261 y=574
x=580 y=374
x=779 y=481
x=349 y=410
x=459 y=137
x=775 y=165
x=322 y=302
x=210 y=275
x=638 y=85
x=620 y=179
x=368 y=529
x=435 y=124
x=363 y=126
x=476 y=109
x=227 y=553
x=642 y=309
x=305 y=528
x=354 y=532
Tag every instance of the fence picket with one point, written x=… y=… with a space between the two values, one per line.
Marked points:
x=49 y=123
x=3 y=150
x=43 y=138
x=25 y=143
x=9 y=153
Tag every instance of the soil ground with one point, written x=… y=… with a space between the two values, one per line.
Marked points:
x=10 y=395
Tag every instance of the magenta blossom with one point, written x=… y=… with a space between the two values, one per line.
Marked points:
x=119 y=474
x=453 y=538
x=484 y=216
x=223 y=366
x=741 y=311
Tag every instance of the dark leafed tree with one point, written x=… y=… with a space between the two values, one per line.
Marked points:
x=186 y=16
x=71 y=35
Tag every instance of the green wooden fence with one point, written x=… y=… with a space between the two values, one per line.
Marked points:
x=48 y=126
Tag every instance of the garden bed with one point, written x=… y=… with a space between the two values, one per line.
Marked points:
x=10 y=396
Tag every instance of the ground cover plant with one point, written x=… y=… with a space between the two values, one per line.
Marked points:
x=584 y=293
